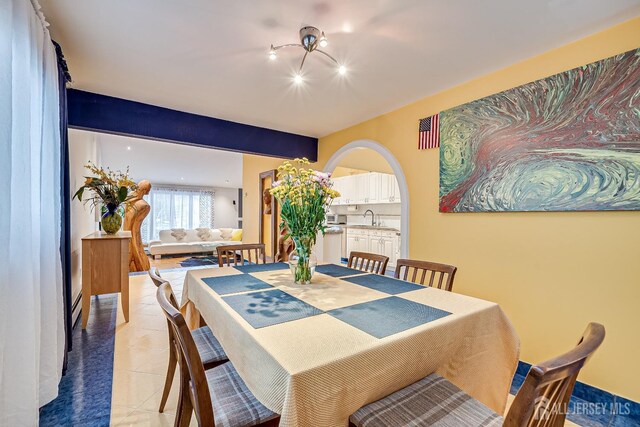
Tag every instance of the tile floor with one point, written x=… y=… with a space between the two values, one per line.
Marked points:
x=140 y=359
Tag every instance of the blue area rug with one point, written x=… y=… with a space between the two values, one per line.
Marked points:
x=84 y=397
x=197 y=261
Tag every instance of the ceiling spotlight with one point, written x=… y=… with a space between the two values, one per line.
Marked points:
x=342 y=70
x=310 y=39
x=129 y=147
x=323 y=41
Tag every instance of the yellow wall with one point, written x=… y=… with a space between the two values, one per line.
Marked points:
x=365 y=159
x=341 y=171
x=251 y=168
x=551 y=273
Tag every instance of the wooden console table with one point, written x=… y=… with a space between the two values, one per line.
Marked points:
x=105 y=269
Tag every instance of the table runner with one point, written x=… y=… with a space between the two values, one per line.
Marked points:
x=318 y=369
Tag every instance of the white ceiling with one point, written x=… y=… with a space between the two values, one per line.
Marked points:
x=210 y=56
x=168 y=163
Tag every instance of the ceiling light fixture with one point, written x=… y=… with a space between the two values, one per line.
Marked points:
x=310 y=39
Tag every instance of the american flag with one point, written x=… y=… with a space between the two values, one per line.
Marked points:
x=429 y=132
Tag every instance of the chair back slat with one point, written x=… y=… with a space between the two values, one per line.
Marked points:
x=371 y=263
x=543 y=399
x=444 y=280
x=251 y=252
x=192 y=373
x=155 y=277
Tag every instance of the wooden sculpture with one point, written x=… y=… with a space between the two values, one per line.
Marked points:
x=285 y=247
x=267 y=199
x=136 y=213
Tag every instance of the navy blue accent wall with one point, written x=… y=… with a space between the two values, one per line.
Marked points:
x=101 y=113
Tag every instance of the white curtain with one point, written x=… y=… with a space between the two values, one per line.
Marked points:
x=177 y=207
x=31 y=308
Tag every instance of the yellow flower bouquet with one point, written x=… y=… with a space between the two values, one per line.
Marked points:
x=304 y=195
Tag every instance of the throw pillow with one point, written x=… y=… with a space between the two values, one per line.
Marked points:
x=204 y=233
x=178 y=233
x=226 y=233
x=216 y=235
x=236 y=236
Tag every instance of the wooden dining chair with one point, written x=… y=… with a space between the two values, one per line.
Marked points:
x=155 y=277
x=539 y=402
x=217 y=395
x=371 y=263
x=416 y=271
x=235 y=255
x=209 y=348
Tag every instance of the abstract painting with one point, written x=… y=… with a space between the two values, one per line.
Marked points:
x=569 y=142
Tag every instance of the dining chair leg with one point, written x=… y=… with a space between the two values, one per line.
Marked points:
x=171 y=370
x=185 y=411
x=183 y=393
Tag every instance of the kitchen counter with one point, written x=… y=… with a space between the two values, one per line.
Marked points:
x=369 y=227
x=334 y=230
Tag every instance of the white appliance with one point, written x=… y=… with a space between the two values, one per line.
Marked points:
x=336 y=219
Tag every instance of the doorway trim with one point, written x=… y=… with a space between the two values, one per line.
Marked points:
x=334 y=162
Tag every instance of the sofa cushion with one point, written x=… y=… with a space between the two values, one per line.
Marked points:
x=226 y=233
x=178 y=233
x=236 y=236
x=216 y=234
x=204 y=234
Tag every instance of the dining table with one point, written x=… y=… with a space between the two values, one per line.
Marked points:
x=316 y=353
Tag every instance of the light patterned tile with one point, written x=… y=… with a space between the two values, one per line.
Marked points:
x=120 y=412
x=146 y=418
x=134 y=388
x=153 y=403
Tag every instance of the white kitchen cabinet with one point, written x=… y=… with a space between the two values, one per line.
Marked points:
x=383 y=242
x=389 y=191
x=346 y=187
x=360 y=188
x=371 y=186
x=337 y=185
x=366 y=188
x=395 y=198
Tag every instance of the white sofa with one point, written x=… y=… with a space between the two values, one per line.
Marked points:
x=184 y=241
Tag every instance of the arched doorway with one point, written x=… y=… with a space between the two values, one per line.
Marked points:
x=335 y=159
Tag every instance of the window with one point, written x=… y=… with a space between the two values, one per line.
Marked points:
x=177 y=207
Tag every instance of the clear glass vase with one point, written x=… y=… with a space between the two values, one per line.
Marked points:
x=302 y=261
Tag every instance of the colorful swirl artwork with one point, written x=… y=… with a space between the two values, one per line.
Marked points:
x=569 y=142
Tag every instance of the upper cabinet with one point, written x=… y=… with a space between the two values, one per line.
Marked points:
x=367 y=188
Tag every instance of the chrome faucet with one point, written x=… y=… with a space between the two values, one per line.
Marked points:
x=373 y=217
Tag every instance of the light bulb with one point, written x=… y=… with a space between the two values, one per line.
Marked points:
x=342 y=69
x=297 y=79
x=323 y=41
x=272 y=53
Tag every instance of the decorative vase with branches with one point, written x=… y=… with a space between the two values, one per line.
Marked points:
x=304 y=195
x=110 y=192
